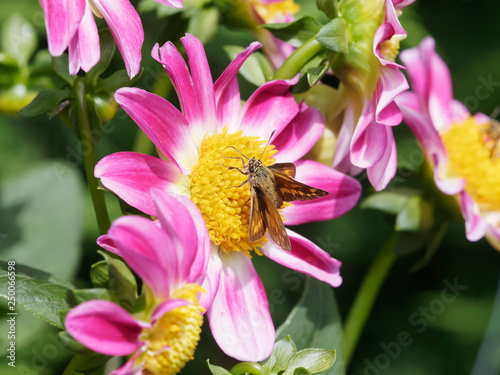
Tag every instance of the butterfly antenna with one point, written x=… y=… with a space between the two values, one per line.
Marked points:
x=238 y=151
x=267 y=144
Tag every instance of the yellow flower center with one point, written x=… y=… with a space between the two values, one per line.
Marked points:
x=473 y=155
x=389 y=49
x=216 y=190
x=274 y=12
x=172 y=341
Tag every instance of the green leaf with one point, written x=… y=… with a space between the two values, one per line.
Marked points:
x=316 y=73
x=295 y=33
x=41 y=297
x=71 y=344
x=315 y=322
x=280 y=357
x=60 y=64
x=417 y=215
x=83 y=295
x=388 y=202
x=313 y=360
x=108 y=47
x=256 y=69
x=301 y=371
x=19 y=38
x=115 y=81
x=329 y=7
x=85 y=364
x=204 y=24
x=217 y=370
x=334 y=36
x=45 y=101
x=99 y=274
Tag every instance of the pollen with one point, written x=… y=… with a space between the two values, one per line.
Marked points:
x=389 y=49
x=171 y=342
x=473 y=155
x=276 y=11
x=219 y=190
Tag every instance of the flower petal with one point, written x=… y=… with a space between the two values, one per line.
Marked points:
x=475 y=225
x=167 y=306
x=126 y=27
x=62 y=18
x=211 y=280
x=307 y=258
x=344 y=194
x=239 y=316
x=382 y=172
x=162 y=123
x=171 y=3
x=105 y=327
x=391 y=83
x=84 y=51
x=300 y=135
x=131 y=176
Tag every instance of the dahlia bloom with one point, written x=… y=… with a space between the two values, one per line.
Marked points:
x=171 y=260
x=462 y=149
x=373 y=79
x=71 y=25
x=194 y=146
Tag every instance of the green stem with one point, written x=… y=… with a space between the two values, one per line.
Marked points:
x=296 y=61
x=248 y=368
x=368 y=291
x=89 y=159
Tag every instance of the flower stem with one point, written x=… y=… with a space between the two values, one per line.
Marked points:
x=88 y=143
x=368 y=291
x=296 y=61
x=248 y=368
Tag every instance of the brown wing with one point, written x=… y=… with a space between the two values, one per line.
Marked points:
x=292 y=190
x=285 y=168
x=265 y=215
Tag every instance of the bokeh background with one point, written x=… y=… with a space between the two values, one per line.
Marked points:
x=47 y=219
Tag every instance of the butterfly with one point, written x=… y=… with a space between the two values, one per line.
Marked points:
x=269 y=187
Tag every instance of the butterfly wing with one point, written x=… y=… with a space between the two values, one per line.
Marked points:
x=292 y=190
x=287 y=169
x=265 y=215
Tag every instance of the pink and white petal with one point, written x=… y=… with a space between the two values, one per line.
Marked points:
x=369 y=141
x=475 y=225
x=344 y=190
x=105 y=327
x=183 y=223
x=62 y=18
x=400 y=4
x=416 y=68
x=131 y=176
x=391 y=83
x=307 y=258
x=493 y=237
x=84 y=51
x=300 y=135
x=270 y=107
x=171 y=3
x=447 y=185
x=382 y=172
x=130 y=367
x=341 y=160
x=167 y=306
x=210 y=281
x=126 y=26
x=148 y=251
x=107 y=243
x=178 y=73
x=202 y=82
x=226 y=89
x=162 y=123
x=239 y=316
x=391 y=17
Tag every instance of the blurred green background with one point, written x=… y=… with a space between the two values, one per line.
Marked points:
x=47 y=220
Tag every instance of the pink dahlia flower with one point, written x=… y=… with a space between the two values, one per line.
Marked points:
x=194 y=146
x=71 y=25
x=463 y=150
x=366 y=140
x=171 y=259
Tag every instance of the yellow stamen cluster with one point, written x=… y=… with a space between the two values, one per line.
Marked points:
x=389 y=49
x=172 y=341
x=216 y=190
x=473 y=156
x=273 y=12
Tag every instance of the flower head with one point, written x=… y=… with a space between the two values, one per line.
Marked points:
x=171 y=259
x=462 y=149
x=194 y=150
x=70 y=25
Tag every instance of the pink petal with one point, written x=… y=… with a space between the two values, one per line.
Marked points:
x=184 y=225
x=270 y=107
x=126 y=27
x=171 y=3
x=162 y=123
x=307 y=258
x=384 y=33
x=239 y=316
x=300 y=135
x=475 y=225
x=382 y=172
x=84 y=51
x=167 y=306
x=178 y=73
x=368 y=142
x=226 y=89
x=400 y=4
x=211 y=279
x=131 y=176
x=62 y=18
x=344 y=194
x=105 y=327
x=391 y=83
x=341 y=161
x=391 y=17
x=107 y=243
